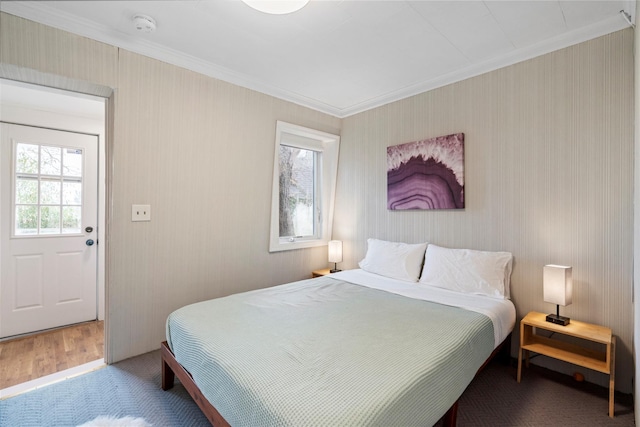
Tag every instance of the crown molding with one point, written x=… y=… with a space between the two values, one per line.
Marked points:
x=40 y=12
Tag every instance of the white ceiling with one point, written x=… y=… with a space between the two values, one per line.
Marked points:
x=22 y=95
x=338 y=57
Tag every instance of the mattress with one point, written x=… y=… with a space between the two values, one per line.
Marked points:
x=331 y=351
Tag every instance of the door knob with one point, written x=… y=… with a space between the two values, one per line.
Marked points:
x=89 y=242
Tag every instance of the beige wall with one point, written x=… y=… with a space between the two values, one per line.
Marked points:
x=199 y=151
x=548 y=177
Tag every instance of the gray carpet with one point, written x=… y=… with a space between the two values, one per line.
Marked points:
x=542 y=398
x=132 y=388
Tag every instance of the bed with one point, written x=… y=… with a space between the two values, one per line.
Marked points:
x=353 y=348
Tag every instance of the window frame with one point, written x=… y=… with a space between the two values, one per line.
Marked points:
x=327 y=145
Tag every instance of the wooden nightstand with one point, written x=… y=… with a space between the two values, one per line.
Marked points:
x=601 y=361
x=320 y=273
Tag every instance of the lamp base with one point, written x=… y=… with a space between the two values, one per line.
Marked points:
x=333 y=270
x=558 y=320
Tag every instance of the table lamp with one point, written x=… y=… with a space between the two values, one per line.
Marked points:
x=335 y=254
x=558 y=290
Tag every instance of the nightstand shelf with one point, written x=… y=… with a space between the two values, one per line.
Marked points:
x=320 y=273
x=601 y=361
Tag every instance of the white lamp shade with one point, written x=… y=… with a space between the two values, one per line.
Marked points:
x=335 y=251
x=277 y=7
x=558 y=286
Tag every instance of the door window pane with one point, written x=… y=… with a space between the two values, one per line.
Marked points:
x=26 y=220
x=71 y=219
x=71 y=193
x=72 y=162
x=49 y=219
x=50 y=192
x=50 y=160
x=26 y=191
x=26 y=158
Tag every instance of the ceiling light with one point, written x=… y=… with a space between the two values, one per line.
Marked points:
x=276 y=7
x=144 y=23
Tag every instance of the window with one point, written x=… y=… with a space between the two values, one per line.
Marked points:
x=304 y=181
x=48 y=190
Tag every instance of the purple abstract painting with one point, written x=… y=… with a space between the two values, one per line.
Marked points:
x=426 y=174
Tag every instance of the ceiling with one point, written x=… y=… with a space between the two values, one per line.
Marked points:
x=338 y=57
x=22 y=95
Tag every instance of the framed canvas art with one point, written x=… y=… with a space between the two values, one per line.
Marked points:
x=427 y=174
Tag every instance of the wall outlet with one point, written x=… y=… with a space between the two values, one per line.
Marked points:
x=140 y=212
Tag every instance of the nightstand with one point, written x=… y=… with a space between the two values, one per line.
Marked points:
x=601 y=361
x=320 y=273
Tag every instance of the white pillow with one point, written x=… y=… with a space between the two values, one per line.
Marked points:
x=394 y=259
x=468 y=271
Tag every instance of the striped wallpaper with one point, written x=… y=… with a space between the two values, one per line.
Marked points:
x=548 y=177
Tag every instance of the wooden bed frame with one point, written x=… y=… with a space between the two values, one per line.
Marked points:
x=171 y=368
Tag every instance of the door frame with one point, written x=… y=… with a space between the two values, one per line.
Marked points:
x=48 y=117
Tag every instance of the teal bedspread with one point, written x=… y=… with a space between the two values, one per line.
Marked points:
x=323 y=352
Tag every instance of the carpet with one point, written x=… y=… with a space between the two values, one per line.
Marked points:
x=542 y=398
x=130 y=388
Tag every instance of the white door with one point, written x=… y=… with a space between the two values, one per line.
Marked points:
x=48 y=216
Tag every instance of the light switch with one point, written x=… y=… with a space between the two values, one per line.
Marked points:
x=140 y=212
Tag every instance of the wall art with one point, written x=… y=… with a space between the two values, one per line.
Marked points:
x=427 y=174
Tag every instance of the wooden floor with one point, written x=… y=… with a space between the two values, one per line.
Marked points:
x=28 y=358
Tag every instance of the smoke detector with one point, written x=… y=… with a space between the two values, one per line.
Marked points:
x=144 y=23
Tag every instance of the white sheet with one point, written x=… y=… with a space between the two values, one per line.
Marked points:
x=501 y=312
